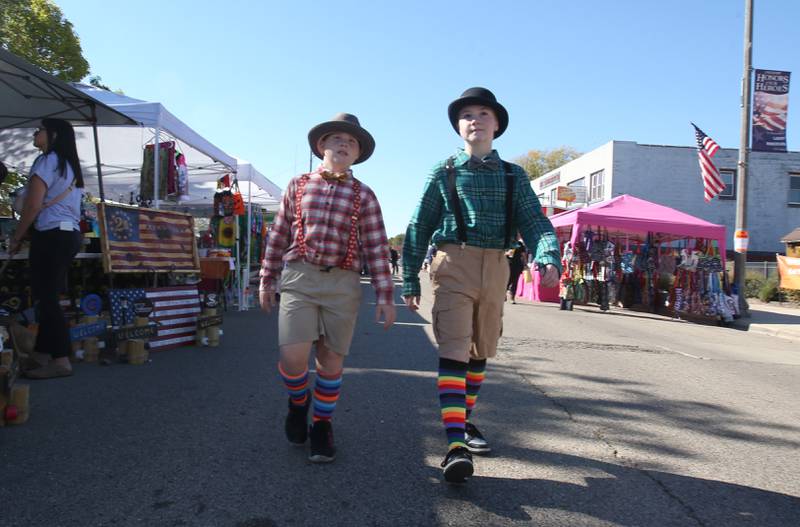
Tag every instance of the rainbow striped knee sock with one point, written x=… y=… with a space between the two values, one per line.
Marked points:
x=452 y=399
x=296 y=386
x=326 y=393
x=476 y=372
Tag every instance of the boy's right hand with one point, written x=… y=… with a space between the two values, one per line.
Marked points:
x=412 y=302
x=267 y=300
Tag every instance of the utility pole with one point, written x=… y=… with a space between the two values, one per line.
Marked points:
x=740 y=235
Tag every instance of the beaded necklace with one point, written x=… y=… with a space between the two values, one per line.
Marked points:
x=352 y=241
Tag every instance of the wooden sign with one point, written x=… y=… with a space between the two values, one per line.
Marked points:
x=137 y=240
x=136 y=332
x=207 y=322
x=84 y=331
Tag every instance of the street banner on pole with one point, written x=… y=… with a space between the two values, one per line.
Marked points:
x=770 y=109
x=789 y=270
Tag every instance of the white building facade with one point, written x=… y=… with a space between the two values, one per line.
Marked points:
x=670 y=176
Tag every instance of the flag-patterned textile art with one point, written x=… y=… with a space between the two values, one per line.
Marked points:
x=175 y=309
x=706 y=148
x=143 y=240
x=122 y=305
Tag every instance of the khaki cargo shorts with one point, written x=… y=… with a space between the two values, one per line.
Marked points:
x=317 y=303
x=469 y=287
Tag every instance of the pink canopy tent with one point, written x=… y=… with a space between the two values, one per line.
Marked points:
x=627 y=214
x=624 y=216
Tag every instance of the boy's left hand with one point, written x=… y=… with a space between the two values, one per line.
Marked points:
x=550 y=276
x=388 y=313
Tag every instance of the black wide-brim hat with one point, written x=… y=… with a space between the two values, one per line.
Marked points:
x=343 y=122
x=483 y=97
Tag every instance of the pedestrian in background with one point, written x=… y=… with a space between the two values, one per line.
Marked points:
x=314 y=252
x=393 y=257
x=517 y=258
x=472 y=206
x=51 y=215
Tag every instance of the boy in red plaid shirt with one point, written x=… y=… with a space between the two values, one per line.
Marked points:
x=328 y=225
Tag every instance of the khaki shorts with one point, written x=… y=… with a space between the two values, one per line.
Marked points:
x=469 y=287
x=316 y=303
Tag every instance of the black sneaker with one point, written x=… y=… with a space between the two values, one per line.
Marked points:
x=322 y=449
x=476 y=444
x=457 y=465
x=297 y=423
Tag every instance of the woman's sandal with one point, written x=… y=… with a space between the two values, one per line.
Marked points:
x=50 y=371
x=30 y=362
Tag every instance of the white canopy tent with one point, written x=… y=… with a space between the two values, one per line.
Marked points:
x=117 y=159
x=28 y=94
x=121 y=147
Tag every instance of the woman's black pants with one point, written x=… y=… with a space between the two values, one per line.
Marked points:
x=50 y=256
x=513 y=280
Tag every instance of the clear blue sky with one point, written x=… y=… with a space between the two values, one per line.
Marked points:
x=254 y=77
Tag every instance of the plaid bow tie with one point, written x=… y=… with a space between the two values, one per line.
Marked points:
x=335 y=176
x=477 y=164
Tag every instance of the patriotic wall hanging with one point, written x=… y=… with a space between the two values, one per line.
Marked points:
x=770 y=110
x=139 y=240
x=175 y=309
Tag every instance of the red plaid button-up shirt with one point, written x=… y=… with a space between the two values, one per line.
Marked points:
x=327 y=208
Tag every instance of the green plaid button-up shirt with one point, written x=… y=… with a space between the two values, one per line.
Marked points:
x=483 y=203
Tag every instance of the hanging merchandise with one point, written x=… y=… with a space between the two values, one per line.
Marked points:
x=223 y=203
x=167 y=172
x=238 y=201
x=182 y=177
x=226 y=234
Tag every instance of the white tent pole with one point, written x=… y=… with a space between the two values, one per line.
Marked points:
x=156 y=166
x=238 y=284
x=249 y=237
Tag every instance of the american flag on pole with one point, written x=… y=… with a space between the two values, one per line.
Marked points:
x=143 y=240
x=174 y=308
x=706 y=148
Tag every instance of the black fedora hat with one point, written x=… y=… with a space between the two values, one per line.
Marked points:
x=343 y=122
x=483 y=97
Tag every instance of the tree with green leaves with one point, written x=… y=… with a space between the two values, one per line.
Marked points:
x=37 y=31
x=539 y=162
x=397 y=241
x=13 y=181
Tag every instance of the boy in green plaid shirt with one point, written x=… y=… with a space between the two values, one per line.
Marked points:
x=472 y=207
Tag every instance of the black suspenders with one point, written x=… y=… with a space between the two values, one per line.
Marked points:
x=461 y=226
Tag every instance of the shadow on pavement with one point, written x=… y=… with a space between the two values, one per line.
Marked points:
x=195 y=437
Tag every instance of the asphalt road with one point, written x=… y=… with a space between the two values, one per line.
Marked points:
x=595 y=419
